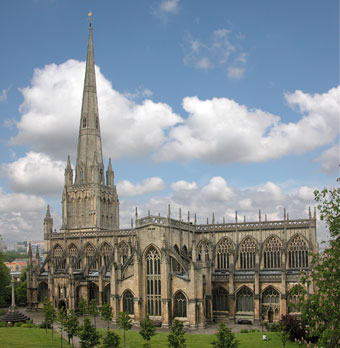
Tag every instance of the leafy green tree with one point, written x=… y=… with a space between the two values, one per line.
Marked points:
x=11 y=255
x=49 y=314
x=282 y=333
x=106 y=314
x=125 y=323
x=110 y=340
x=21 y=288
x=71 y=325
x=225 y=338
x=88 y=335
x=82 y=308
x=176 y=337
x=94 y=311
x=5 y=280
x=147 y=330
x=321 y=311
x=61 y=319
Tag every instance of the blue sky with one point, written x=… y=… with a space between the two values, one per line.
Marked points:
x=210 y=106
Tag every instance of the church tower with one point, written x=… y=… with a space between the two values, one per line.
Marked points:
x=89 y=202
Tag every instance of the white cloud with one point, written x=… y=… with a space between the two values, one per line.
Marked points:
x=21 y=216
x=3 y=96
x=222 y=50
x=35 y=173
x=184 y=185
x=235 y=72
x=51 y=113
x=140 y=92
x=221 y=130
x=149 y=185
x=330 y=159
x=169 y=6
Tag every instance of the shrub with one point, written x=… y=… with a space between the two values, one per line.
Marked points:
x=45 y=325
x=244 y=331
x=225 y=338
x=267 y=326
x=3 y=324
x=293 y=326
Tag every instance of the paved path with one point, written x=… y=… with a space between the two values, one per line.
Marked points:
x=38 y=317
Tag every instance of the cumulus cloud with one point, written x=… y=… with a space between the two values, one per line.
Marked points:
x=3 y=96
x=35 y=173
x=221 y=51
x=330 y=159
x=149 y=185
x=51 y=114
x=21 y=216
x=221 y=130
x=169 y=6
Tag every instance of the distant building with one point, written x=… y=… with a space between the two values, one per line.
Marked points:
x=16 y=267
x=165 y=267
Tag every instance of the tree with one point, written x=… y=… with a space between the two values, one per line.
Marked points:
x=106 y=314
x=82 y=308
x=5 y=280
x=61 y=319
x=176 y=337
x=225 y=338
x=94 y=311
x=21 y=288
x=49 y=314
x=125 y=323
x=321 y=311
x=89 y=337
x=147 y=330
x=71 y=325
x=11 y=255
x=110 y=340
x=282 y=333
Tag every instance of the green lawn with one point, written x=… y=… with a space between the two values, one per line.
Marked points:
x=30 y=338
x=17 y=337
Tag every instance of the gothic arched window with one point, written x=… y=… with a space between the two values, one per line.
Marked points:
x=224 y=250
x=75 y=262
x=59 y=260
x=272 y=253
x=298 y=253
x=153 y=282
x=203 y=251
x=107 y=252
x=245 y=300
x=271 y=304
x=124 y=252
x=42 y=292
x=247 y=253
x=220 y=299
x=128 y=302
x=180 y=305
x=91 y=259
x=94 y=292
x=293 y=299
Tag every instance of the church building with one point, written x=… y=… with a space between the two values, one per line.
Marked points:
x=163 y=266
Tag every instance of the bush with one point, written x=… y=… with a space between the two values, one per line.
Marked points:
x=293 y=326
x=254 y=330
x=18 y=324
x=244 y=331
x=45 y=325
x=267 y=326
x=2 y=312
x=3 y=324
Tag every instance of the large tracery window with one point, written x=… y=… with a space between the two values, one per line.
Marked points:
x=293 y=299
x=91 y=259
x=298 y=253
x=42 y=292
x=220 y=299
x=124 y=252
x=224 y=250
x=107 y=252
x=203 y=251
x=153 y=282
x=272 y=253
x=128 y=302
x=59 y=261
x=271 y=304
x=245 y=300
x=74 y=260
x=247 y=253
x=180 y=305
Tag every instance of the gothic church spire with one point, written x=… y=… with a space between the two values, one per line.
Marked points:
x=89 y=165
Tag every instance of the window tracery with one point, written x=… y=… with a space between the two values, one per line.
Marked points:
x=203 y=251
x=271 y=304
x=220 y=299
x=180 y=305
x=272 y=253
x=247 y=253
x=59 y=262
x=128 y=302
x=224 y=250
x=245 y=300
x=153 y=282
x=298 y=253
x=76 y=263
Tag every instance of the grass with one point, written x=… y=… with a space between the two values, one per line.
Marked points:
x=17 y=337
x=30 y=338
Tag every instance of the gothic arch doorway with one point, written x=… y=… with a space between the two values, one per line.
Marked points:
x=62 y=305
x=270 y=316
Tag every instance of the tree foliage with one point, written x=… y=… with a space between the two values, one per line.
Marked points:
x=82 y=307
x=321 y=311
x=21 y=288
x=125 y=323
x=225 y=338
x=11 y=255
x=106 y=314
x=71 y=325
x=176 y=337
x=61 y=319
x=49 y=314
x=147 y=330
x=110 y=340
x=88 y=335
x=5 y=280
x=94 y=311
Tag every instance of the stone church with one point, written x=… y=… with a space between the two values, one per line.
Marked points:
x=166 y=267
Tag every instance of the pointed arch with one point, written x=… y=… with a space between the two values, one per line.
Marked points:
x=224 y=250
x=272 y=248
x=203 y=250
x=42 y=292
x=128 y=302
x=220 y=299
x=75 y=261
x=297 y=252
x=247 y=252
x=94 y=292
x=271 y=303
x=123 y=251
x=59 y=261
x=107 y=253
x=180 y=304
x=91 y=256
x=153 y=281
x=245 y=300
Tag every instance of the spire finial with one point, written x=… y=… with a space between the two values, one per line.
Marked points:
x=90 y=18
x=136 y=213
x=169 y=211
x=195 y=220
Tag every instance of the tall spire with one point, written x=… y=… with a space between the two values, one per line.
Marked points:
x=89 y=154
